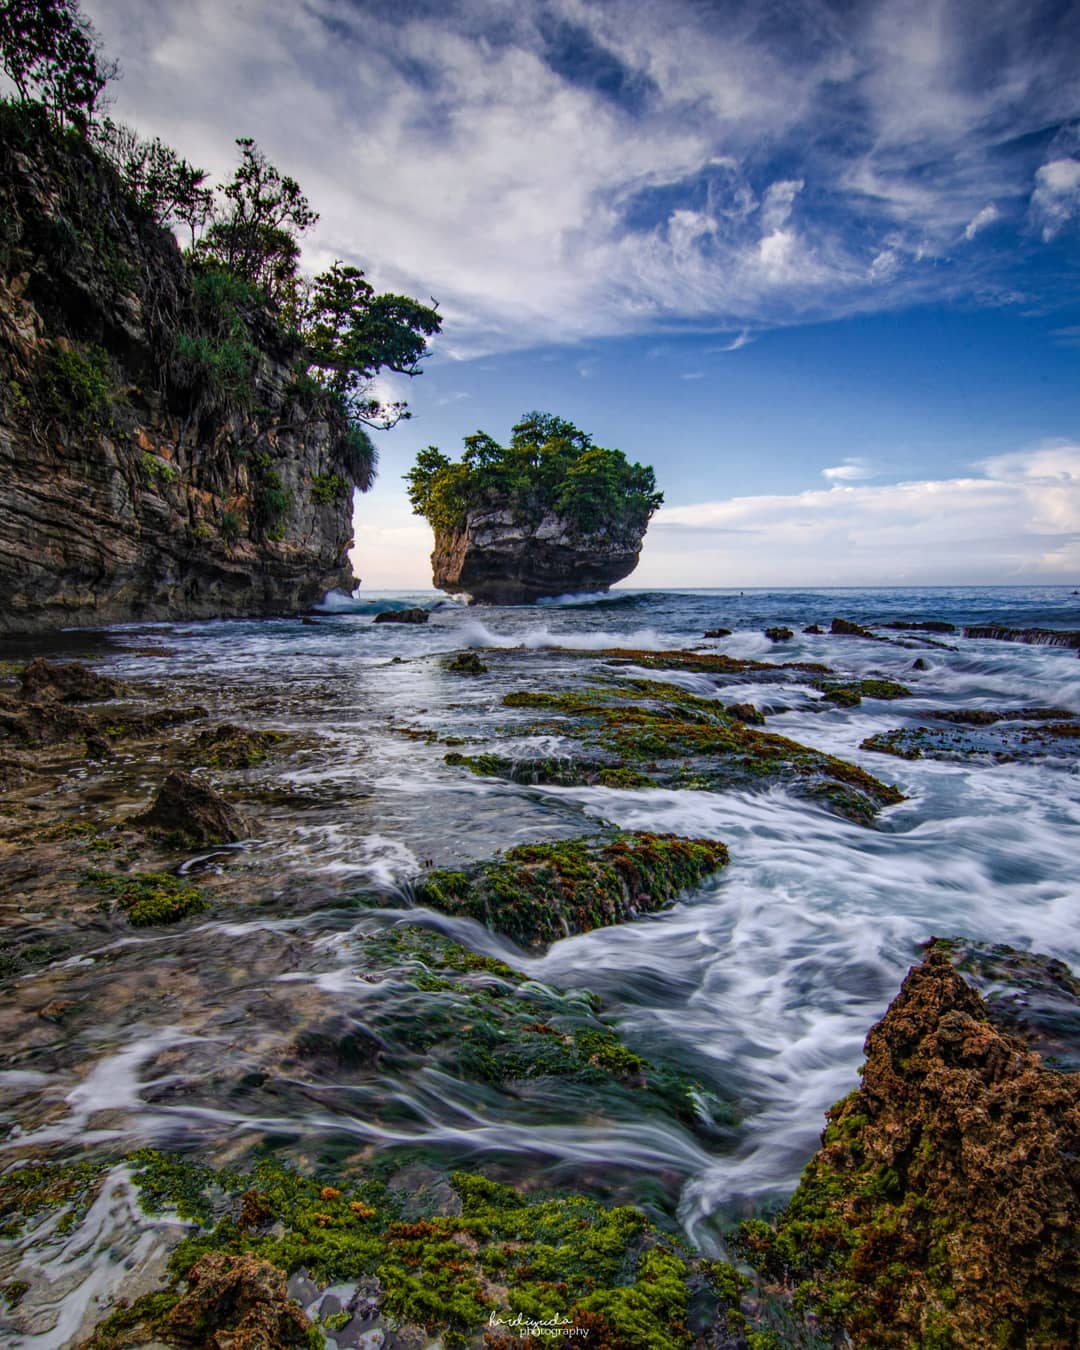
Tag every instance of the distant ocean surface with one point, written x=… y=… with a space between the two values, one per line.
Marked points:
x=764 y=982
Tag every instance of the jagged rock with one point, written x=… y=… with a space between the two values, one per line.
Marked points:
x=920 y=663
x=815 y=628
x=943 y=1206
x=498 y=560
x=467 y=663
x=718 y=633
x=779 y=634
x=746 y=712
x=237 y=1303
x=71 y=683
x=193 y=810
x=402 y=616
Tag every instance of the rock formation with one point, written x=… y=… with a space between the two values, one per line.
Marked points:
x=126 y=491
x=943 y=1205
x=497 y=560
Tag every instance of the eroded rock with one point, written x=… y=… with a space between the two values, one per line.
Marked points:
x=187 y=807
x=943 y=1206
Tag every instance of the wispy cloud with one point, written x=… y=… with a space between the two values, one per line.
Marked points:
x=852 y=468
x=1016 y=518
x=980 y=220
x=559 y=171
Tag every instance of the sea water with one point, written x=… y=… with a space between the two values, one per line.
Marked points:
x=761 y=983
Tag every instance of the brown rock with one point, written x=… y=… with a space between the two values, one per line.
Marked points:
x=943 y=1206
x=845 y=628
x=237 y=1303
x=402 y=616
x=186 y=806
x=43 y=682
x=499 y=560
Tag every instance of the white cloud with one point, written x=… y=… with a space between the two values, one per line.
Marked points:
x=1056 y=199
x=1017 y=519
x=449 y=156
x=736 y=344
x=853 y=467
x=980 y=220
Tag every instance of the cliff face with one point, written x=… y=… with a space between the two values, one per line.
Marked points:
x=498 y=560
x=128 y=489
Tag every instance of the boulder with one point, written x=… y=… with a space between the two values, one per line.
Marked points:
x=402 y=616
x=187 y=807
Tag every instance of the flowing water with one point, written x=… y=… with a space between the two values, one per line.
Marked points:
x=762 y=983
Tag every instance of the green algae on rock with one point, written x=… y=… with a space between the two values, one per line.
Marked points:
x=475 y=1018
x=679 y=739
x=538 y=893
x=849 y=694
x=148 y=898
x=491 y=1269
x=996 y=737
x=942 y=1208
x=231 y=747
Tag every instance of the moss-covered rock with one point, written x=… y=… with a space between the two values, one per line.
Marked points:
x=496 y=1271
x=849 y=694
x=148 y=898
x=538 y=893
x=231 y=747
x=678 y=739
x=942 y=1208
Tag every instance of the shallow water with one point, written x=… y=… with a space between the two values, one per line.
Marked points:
x=762 y=984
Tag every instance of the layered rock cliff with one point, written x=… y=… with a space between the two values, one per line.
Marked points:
x=499 y=560
x=150 y=467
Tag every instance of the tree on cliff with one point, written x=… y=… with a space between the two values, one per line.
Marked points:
x=549 y=467
x=49 y=51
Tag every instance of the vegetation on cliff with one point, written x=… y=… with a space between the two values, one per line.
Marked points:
x=189 y=425
x=549 y=468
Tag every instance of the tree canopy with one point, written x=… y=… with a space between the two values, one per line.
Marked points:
x=49 y=51
x=550 y=466
x=244 y=249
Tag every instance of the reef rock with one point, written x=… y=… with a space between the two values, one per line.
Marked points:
x=237 y=1303
x=943 y=1206
x=402 y=616
x=497 y=559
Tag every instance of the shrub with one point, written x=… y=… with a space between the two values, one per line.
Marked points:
x=328 y=488
x=76 y=386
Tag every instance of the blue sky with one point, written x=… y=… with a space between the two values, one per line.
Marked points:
x=816 y=262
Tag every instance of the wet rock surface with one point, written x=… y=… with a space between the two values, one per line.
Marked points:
x=402 y=616
x=187 y=808
x=943 y=1205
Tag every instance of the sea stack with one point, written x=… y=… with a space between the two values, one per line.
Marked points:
x=548 y=515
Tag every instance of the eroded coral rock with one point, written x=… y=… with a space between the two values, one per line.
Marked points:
x=237 y=1303
x=943 y=1206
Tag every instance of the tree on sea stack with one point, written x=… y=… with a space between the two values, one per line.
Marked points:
x=550 y=513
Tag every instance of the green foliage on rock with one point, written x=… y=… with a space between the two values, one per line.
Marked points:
x=549 y=467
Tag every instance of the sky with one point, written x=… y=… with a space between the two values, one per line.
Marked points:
x=816 y=261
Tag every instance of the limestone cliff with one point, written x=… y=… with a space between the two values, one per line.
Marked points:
x=499 y=560
x=143 y=476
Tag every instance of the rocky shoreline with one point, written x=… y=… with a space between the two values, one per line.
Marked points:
x=942 y=1197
